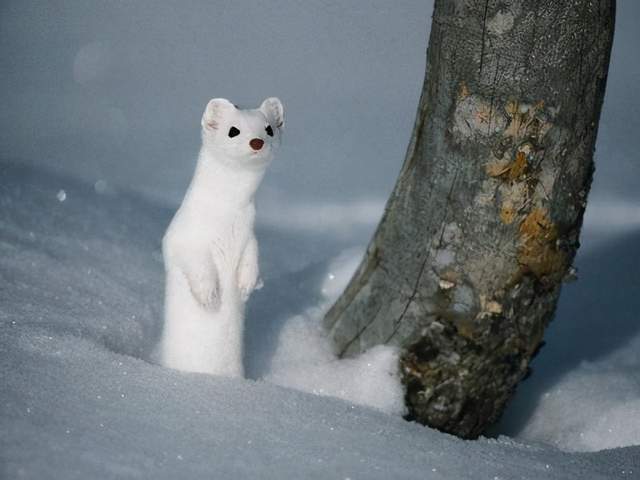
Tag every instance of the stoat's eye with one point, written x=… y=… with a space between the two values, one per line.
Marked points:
x=233 y=132
x=269 y=130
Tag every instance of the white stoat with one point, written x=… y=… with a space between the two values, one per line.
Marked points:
x=210 y=249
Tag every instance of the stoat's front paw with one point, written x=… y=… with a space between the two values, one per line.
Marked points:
x=247 y=287
x=206 y=290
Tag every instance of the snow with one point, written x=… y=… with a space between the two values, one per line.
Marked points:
x=80 y=306
x=304 y=359
x=608 y=413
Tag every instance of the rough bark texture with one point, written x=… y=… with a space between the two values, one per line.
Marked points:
x=465 y=268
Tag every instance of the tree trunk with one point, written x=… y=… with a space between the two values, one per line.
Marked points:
x=465 y=268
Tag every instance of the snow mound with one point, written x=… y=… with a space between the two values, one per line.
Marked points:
x=305 y=362
x=304 y=359
x=607 y=416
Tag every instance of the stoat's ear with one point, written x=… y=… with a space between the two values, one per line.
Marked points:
x=216 y=109
x=274 y=111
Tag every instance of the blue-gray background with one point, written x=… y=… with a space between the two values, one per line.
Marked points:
x=114 y=91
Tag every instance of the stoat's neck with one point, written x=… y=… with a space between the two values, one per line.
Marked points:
x=219 y=185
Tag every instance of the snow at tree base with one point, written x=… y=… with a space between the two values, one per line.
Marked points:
x=80 y=307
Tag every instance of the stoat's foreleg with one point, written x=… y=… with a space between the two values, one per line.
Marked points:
x=203 y=278
x=248 y=271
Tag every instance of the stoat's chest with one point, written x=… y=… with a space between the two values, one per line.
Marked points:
x=228 y=235
x=223 y=232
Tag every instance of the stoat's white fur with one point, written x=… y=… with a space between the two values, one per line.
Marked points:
x=210 y=250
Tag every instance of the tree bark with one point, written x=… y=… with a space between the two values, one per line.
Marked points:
x=465 y=268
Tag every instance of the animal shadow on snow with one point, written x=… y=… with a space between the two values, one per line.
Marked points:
x=285 y=294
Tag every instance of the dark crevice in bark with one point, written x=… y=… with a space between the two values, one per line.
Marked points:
x=397 y=322
x=484 y=31
x=357 y=336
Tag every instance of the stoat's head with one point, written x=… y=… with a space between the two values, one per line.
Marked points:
x=245 y=137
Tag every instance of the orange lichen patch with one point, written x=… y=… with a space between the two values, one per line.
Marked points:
x=497 y=168
x=518 y=166
x=507 y=213
x=512 y=170
x=525 y=120
x=538 y=252
x=515 y=198
x=537 y=225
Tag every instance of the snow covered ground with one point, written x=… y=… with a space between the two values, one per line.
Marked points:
x=80 y=306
